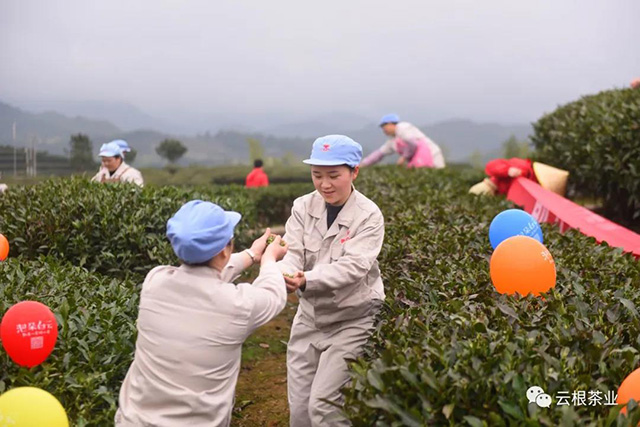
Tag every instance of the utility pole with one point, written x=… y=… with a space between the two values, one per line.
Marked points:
x=15 y=151
x=35 y=157
x=30 y=157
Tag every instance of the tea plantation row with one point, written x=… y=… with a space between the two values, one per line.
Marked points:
x=83 y=249
x=450 y=350
x=447 y=350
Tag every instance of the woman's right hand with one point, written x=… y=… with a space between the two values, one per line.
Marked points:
x=275 y=251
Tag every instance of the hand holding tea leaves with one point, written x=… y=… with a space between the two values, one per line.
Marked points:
x=260 y=244
x=272 y=237
x=276 y=250
x=295 y=281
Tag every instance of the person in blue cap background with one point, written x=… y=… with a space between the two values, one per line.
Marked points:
x=113 y=168
x=335 y=235
x=124 y=146
x=193 y=320
x=413 y=146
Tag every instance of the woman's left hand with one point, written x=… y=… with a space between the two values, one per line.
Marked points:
x=259 y=245
x=298 y=281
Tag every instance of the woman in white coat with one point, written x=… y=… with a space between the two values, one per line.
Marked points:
x=113 y=168
x=334 y=235
x=193 y=321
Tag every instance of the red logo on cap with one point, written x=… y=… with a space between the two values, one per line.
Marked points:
x=326 y=147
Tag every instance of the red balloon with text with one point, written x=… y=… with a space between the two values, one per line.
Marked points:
x=29 y=332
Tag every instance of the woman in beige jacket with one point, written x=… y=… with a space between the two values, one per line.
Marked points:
x=334 y=235
x=193 y=321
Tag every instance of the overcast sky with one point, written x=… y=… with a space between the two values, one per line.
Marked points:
x=506 y=61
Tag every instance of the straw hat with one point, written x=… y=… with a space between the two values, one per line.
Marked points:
x=484 y=187
x=550 y=178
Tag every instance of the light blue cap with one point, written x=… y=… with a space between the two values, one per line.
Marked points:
x=333 y=150
x=389 y=118
x=124 y=146
x=200 y=230
x=110 y=149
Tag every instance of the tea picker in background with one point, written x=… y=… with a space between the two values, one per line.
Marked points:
x=3 y=187
x=193 y=320
x=635 y=83
x=113 y=168
x=413 y=146
x=335 y=235
x=257 y=177
x=502 y=173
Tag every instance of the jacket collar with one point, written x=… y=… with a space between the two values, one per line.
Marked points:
x=121 y=169
x=201 y=271
x=318 y=210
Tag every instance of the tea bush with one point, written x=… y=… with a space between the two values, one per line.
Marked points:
x=450 y=350
x=120 y=229
x=597 y=139
x=96 y=323
x=273 y=204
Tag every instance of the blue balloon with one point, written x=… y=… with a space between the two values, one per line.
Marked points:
x=513 y=222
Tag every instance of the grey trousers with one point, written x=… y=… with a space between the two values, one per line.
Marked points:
x=316 y=369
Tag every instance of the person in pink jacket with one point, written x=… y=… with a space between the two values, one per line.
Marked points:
x=413 y=146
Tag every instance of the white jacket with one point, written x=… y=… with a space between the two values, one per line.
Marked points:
x=124 y=173
x=340 y=263
x=191 y=326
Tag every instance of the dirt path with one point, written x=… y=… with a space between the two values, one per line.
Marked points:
x=261 y=393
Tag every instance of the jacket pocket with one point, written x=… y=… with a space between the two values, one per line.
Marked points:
x=311 y=253
x=336 y=252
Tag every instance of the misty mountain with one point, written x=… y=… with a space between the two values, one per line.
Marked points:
x=123 y=115
x=52 y=130
x=326 y=124
x=458 y=138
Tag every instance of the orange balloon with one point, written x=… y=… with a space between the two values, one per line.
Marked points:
x=630 y=388
x=4 y=247
x=523 y=265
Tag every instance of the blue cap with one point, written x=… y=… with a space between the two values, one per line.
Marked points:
x=389 y=118
x=124 y=146
x=333 y=150
x=200 y=230
x=110 y=149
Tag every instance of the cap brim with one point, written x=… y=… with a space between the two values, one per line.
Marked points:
x=108 y=154
x=233 y=217
x=315 y=162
